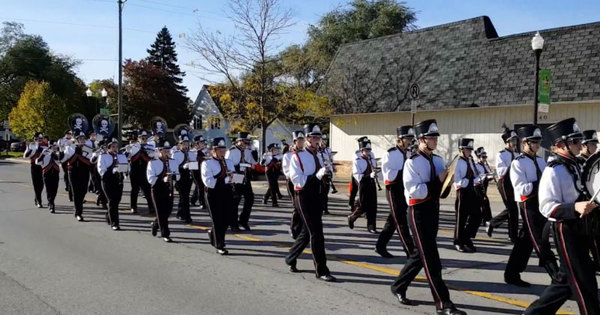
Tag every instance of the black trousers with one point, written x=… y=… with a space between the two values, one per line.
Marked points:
x=137 y=176
x=198 y=194
x=244 y=190
x=220 y=206
x=79 y=176
x=37 y=181
x=163 y=205
x=396 y=221
x=296 y=221
x=511 y=211
x=579 y=279
x=273 y=190
x=353 y=192
x=423 y=220
x=112 y=184
x=51 y=179
x=325 y=187
x=184 y=186
x=530 y=238
x=65 y=169
x=311 y=212
x=468 y=215
x=367 y=196
x=486 y=210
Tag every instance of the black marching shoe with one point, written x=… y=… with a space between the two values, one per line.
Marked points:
x=489 y=228
x=372 y=230
x=383 y=253
x=133 y=211
x=450 y=311
x=154 y=228
x=115 y=227
x=403 y=299
x=167 y=239
x=245 y=226
x=235 y=229
x=51 y=207
x=459 y=248
x=517 y=281
x=470 y=248
x=293 y=269
x=350 y=222
x=79 y=218
x=327 y=278
x=222 y=251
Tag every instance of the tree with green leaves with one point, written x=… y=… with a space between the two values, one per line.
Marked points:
x=149 y=91
x=38 y=109
x=162 y=54
x=363 y=19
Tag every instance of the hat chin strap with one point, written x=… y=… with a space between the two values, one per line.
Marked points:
x=565 y=142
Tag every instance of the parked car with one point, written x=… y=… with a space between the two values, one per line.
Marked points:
x=17 y=146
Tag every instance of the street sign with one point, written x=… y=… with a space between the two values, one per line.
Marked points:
x=414 y=91
x=543 y=108
x=5 y=124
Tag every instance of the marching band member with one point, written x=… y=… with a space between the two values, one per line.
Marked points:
x=590 y=144
x=112 y=181
x=100 y=196
x=363 y=171
x=241 y=154
x=201 y=153
x=33 y=151
x=219 y=195
x=138 y=160
x=353 y=183
x=392 y=167
x=467 y=206
x=49 y=162
x=272 y=163
x=485 y=172
x=562 y=200
x=327 y=157
x=306 y=172
x=182 y=156
x=79 y=172
x=63 y=142
x=161 y=173
x=525 y=173
x=91 y=142
x=511 y=211
x=423 y=175
x=297 y=145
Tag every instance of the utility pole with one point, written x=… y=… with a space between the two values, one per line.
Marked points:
x=120 y=90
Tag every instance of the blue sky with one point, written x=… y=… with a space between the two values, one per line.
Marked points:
x=87 y=29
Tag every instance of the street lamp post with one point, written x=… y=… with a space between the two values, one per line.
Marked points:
x=537 y=44
x=89 y=94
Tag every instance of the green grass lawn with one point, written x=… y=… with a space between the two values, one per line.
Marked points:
x=11 y=154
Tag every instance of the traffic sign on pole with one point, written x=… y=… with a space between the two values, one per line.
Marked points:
x=414 y=91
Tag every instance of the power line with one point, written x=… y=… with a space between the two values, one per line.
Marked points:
x=73 y=24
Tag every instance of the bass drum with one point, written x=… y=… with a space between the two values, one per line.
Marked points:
x=447 y=184
x=590 y=224
x=591 y=175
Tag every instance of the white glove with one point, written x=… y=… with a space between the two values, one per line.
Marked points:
x=373 y=174
x=115 y=170
x=177 y=177
x=321 y=172
x=166 y=179
x=185 y=166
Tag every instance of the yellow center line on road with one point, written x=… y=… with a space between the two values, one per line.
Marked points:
x=391 y=271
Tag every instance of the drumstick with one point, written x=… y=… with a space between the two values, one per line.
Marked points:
x=592 y=199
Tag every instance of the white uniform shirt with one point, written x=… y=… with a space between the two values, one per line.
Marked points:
x=105 y=161
x=211 y=168
x=235 y=156
x=31 y=149
x=392 y=164
x=523 y=175
x=416 y=175
x=69 y=151
x=503 y=161
x=179 y=157
x=460 y=174
x=45 y=159
x=302 y=165
x=557 y=194
x=359 y=166
x=285 y=163
x=155 y=168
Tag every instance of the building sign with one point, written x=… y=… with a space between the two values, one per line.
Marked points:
x=544 y=87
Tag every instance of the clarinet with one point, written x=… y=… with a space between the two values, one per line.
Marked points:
x=329 y=179
x=376 y=170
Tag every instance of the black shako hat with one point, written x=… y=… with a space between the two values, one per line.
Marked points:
x=564 y=130
x=427 y=128
x=590 y=136
x=508 y=135
x=312 y=130
x=405 y=132
x=465 y=143
x=530 y=132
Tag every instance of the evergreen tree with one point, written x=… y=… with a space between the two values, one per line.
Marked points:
x=162 y=55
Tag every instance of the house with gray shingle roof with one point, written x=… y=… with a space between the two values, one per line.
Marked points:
x=471 y=80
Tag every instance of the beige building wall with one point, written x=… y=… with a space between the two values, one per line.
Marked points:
x=483 y=124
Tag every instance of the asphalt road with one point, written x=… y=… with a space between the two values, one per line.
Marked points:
x=52 y=264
